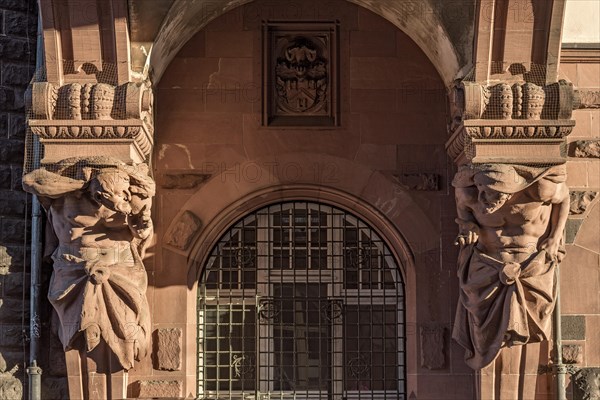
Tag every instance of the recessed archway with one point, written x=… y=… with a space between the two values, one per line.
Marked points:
x=186 y=17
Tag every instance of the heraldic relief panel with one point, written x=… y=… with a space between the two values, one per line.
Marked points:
x=300 y=77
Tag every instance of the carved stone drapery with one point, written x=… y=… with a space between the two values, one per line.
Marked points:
x=99 y=211
x=511 y=220
x=509 y=140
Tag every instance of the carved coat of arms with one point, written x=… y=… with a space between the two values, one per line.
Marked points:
x=301 y=79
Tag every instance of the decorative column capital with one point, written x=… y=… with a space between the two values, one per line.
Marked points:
x=98 y=118
x=511 y=122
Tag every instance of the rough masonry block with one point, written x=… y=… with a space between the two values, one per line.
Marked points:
x=158 y=388
x=20 y=24
x=572 y=353
x=573 y=327
x=167 y=349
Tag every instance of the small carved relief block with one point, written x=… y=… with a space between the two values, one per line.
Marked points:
x=589 y=98
x=587 y=384
x=580 y=201
x=300 y=80
x=183 y=230
x=433 y=354
x=572 y=353
x=586 y=149
x=419 y=181
x=167 y=349
x=184 y=180
x=158 y=388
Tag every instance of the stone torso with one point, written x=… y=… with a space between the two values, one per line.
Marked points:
x=79 y=222
x=513 y=232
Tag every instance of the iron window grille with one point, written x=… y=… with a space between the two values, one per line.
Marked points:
x=301 y=300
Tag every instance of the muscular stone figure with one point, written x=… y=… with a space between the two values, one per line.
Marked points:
x=511 y=221
x=102 y=225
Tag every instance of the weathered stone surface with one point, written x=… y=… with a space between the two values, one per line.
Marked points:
x=12 y=229
x=12 y=309
x=11 y=99
x=184 y=180
x=56 y=360
x=10 y=387
x=571 y=229
x=589 y=98
x=19 y=24
x=573 y=327
x=11 y=151
x=419 y=181
x=433 y=355
x=5 y=177
x=183 y=230
x=16 y=125
x=11 y=335
x=580 y=201
x=11 y=259
x=16 y=74
x=19 y=5
x=12 y=203
x=167 y=349
x=572 y=353
x=17 y=49
x=158 y=388
x=586 y=149
x=54 y=388
x=3 y=125
x=587 y=384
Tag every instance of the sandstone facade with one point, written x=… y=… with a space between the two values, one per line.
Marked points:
x=364 y=115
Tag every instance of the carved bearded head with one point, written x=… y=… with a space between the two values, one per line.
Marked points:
x=491 y=200
x=110 y=188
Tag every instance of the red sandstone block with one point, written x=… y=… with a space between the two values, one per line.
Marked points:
x=588 y=75
x=195 y=47
x=229 y=44
x=378 y=100
x=372 y=44
x=580 y=296
x=577 y=174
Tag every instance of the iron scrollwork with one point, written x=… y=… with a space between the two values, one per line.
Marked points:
x=333 y=310
x=243 y=365
x=268 y=310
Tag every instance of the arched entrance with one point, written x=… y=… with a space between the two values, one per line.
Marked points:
x=301 y=300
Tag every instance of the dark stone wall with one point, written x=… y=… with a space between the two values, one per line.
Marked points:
x=18 y=29
x=18 y=47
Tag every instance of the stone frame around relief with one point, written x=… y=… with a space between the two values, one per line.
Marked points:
x=300 y=74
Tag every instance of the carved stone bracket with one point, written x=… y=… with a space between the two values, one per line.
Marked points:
x=527 y=142
x=511 y=123
x=91 y=116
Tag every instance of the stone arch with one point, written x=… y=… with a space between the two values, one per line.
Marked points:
x=186 y=17
x=386 y=206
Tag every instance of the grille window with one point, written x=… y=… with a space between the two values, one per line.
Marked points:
x=301 y=301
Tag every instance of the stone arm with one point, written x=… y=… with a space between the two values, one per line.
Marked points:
x=558 y=219
x=468 y=226
x=48 y=185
